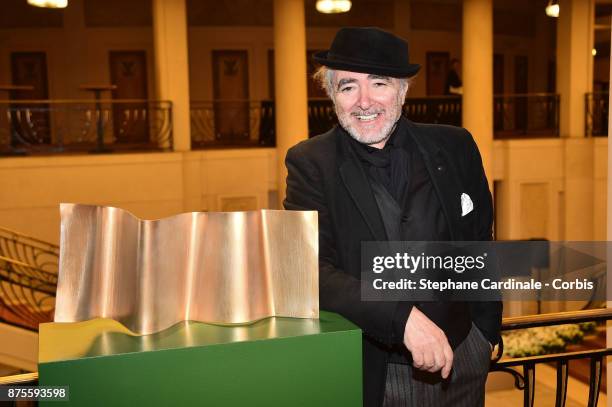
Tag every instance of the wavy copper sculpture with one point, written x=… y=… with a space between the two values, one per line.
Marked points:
x=216 y=267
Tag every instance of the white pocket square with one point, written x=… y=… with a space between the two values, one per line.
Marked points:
x=467 y=205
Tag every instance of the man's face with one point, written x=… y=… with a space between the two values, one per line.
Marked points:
x=368 y=105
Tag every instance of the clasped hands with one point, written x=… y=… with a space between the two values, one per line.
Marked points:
x=428 y=344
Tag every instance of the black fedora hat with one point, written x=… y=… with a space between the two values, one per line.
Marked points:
x=368 y=50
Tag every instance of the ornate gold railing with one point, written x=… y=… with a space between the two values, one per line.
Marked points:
x=30 y=250
x=526 y=380
x=596 y=114
x=28 y=279
x=251 y=123
x=232 y=123
x=95 y=126
x=526 y=115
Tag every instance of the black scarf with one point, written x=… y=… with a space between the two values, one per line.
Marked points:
x=388 y=166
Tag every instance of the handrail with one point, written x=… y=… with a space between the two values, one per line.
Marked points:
x=21 y=263
x=408 y=97
x=554 y=357
x=556 y=318
x=536 y=94
x=28 y=237
x=18 y=379
x=80 y=101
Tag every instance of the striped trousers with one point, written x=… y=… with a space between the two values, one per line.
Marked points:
x=409 y=387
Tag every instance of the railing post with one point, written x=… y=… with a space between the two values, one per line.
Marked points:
x=529 y=391
x=99 y=127
x=562 y=372
x=595 y=380
x=587 y=116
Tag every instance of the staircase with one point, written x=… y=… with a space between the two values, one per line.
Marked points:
x=28 y=282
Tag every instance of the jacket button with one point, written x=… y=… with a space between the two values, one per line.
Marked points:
x=440 y=168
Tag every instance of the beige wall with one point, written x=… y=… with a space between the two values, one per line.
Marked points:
x=18 y=348
x=551 y=188
x=149 y=185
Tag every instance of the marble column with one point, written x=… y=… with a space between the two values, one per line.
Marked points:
x=172 y=66
x=477 y=62
x=574 y=63
x=291 y=98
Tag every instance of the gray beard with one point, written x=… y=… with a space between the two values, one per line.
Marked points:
x=384 y=134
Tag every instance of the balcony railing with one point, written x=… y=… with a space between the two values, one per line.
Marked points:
x=443 y=110
x=247 y=123
x=28 y=279
x=596 y=114
x=436 y=110
x=525 y=381
x=96 y=126
x=527 y=115
x=232 y=123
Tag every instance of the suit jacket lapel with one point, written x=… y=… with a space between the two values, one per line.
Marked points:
x=445 y=179
x=356 y=182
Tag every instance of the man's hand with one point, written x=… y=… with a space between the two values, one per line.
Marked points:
x=428 y=344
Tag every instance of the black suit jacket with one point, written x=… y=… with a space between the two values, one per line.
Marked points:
x=324 y=174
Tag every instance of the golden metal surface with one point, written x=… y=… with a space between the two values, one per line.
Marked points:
x=216 y=267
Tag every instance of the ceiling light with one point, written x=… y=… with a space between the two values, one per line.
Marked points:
x=48 y=3
x=594 y=52
x=333 y=6
x=552 y=8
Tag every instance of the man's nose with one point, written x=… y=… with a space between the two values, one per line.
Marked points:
x=364 y=99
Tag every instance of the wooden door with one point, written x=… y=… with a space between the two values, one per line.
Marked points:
x=128 y=71
x=231 y=95
x=437 y=71
x=30 y=68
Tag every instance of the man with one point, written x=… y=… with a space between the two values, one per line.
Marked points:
x=453 y=86
x=378 y=176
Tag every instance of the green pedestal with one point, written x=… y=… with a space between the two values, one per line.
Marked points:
x=273 y=362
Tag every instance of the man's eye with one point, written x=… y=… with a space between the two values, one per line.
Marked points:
x=379 y=84
x=346 y=89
